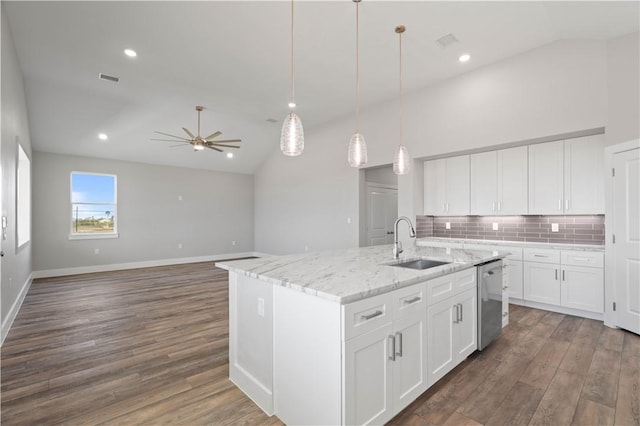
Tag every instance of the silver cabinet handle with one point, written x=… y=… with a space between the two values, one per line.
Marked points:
x=540 y=255
x=559 y=204
x=444 y=207
x=410 y=301
x=566 y=204
x=389 y=232
x=461 y=312
x=493 y=206
x=392 y=339
x=556 y=274
x=499 y=207
x=582 y=259
x=563 y=275
x=505 y=287
x=370 y=316
x=399 y=347
x=456 y=321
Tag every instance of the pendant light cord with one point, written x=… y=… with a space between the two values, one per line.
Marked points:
x=357 y=67
x=401 y=99
x=293 y=90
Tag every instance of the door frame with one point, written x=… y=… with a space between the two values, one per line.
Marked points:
x=610 y=316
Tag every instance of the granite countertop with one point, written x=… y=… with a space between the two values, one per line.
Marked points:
x=557 y=246
x=347 y=275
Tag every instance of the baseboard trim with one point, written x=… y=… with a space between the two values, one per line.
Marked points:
x=47 y=273
x=15 y=308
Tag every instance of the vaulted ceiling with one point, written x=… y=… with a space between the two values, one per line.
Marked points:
x=232 y=57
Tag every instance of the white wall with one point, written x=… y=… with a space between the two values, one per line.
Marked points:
x=558 y=88
x=216 y=209
x=623 y=84
x=16 y=264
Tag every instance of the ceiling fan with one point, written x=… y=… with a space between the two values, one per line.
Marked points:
x=198 y=142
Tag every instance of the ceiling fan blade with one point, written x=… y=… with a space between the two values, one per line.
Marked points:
x=179 y=146
x=188 y=132
x=170 y=140
x=221 y=144
x=174 y=136
x=213 y=147
x=226 y=141
x=213 y=135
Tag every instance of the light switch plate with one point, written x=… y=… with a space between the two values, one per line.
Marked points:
x=495 y=226
x=447 y=225
x=554 y=227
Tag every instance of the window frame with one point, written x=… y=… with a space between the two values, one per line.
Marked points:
x=94 y=235
x=20 y=197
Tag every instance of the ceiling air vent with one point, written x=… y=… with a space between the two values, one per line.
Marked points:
x=272 y=120
x=446 y=41
x=108 y=77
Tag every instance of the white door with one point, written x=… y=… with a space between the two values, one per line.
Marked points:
x=382 y=211
x=512 y=181
x=367 y=381
x=546 y=171
x=465 y=330
x=440 y=356
x=409 y=369
x=434 y=187
x=457 y=190
x=542 y=282
x=626 y=228
x=583 y=288
x=584 y=175
x=484 y=184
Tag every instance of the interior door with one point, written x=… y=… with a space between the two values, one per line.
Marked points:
x=382 y=211
x=626 y=228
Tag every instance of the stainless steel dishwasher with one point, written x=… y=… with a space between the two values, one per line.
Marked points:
x=489 y=302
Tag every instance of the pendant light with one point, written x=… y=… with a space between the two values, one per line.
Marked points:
x=357 y=144
x=292 y=135
x=402 y=160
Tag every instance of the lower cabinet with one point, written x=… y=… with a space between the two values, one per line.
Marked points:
x=542 y=283
x=452 y=334
x=582 y=288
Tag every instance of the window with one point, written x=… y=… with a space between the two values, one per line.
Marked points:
x=93 y=205
x=23 y=198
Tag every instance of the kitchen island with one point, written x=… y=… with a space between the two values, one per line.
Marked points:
x=346 y=337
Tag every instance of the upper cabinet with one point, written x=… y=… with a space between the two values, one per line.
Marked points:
x=446 y=186
x=499 y=182
x=567 y=177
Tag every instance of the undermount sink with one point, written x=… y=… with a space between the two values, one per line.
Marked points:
x=420 y=264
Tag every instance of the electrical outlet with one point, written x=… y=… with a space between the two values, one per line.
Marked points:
x=495 y=226
x=96 y=251
x=555 y=227
x=447 y=225
x=261 y=306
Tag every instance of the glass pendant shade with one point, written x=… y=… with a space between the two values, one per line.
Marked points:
x=402 y=161
x=357 y=151
x=292 y=136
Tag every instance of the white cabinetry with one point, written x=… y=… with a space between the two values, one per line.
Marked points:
x=499 y=182
x=566 y=177
x=570 y=279
x=452 y=318
x=385 y=368
x=446 y=186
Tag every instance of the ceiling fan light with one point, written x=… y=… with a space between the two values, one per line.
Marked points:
x=198 y=147
x=402 y=161
x=357 y=151
x=292 y=136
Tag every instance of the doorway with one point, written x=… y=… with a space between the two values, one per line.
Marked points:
x=381 y=205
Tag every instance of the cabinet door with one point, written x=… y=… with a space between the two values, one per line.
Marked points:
x=584 y=175
x=440 y=356
x=583 y=288
x=434 y=187
x=512 y=181
x=514 y=279
x=484 y=183
x=410 y=367
x=546 y=178
x=542 y=282
x=457 y=188
x=465 y=330
x=367 y=376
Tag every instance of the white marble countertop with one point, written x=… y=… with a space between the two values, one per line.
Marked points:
x=347 y=275
x=524 y=244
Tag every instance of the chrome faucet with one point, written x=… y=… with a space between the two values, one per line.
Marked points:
x=397 y=245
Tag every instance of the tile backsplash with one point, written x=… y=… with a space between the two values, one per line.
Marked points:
x=571 y=229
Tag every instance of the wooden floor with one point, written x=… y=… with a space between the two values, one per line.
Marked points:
x=150 y=346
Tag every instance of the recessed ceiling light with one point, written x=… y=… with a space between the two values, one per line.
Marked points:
x=229 y=154
x=130 y=53
x=464 y=57
x=102 y=137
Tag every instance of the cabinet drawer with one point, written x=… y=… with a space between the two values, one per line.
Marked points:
x=542 y=255
x=410 y=299
x=583 y=258
x=442 y=288
x=366 y=315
